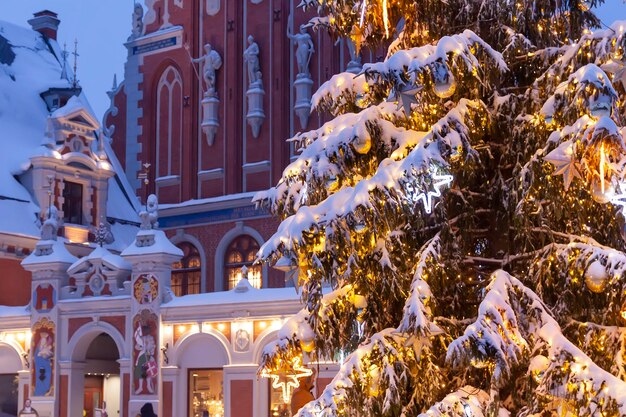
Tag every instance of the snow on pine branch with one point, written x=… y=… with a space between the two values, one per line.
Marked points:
x=298 y=329
x=410 y=66
x=412 y=154
x=587 y=89
x=456 y=48
x=340 y=92
x=376 y=377
x=416 y=318
x=494 y=338
x=464 y=402
x=569 y=373
x=598 y=47
x=581 y=254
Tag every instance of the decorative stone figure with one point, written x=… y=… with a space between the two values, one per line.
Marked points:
x=303 y=83
x=212 y=7
x=354 y=66
x=149 y=217
x=304 y=50
x=50 y=225
x=137 y=22
x=251 y=56
x=255 y=93
x=211 y=62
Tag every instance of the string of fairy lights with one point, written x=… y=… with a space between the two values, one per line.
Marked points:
x=577 y=168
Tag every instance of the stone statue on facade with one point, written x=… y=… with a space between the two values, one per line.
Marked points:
x=50 y=226
x=211 y=62
x=150 y=216
x=303 y=84
x=255 y=93
x=304 y=49
x=137 y=22
x=251 y=56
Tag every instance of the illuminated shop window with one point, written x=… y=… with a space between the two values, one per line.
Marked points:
x=186 y=273
x=242 y=252
x=206 y=398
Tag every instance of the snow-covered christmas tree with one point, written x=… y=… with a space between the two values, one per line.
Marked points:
x=457 y=229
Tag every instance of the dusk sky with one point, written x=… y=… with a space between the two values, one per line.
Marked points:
x=102 y=27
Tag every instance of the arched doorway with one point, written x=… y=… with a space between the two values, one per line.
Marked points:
x=97 y=349
x=102 y=378
x=10 y=364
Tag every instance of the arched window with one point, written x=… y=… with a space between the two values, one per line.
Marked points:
x=169 y=127
x=186 y=273
x=242 y=252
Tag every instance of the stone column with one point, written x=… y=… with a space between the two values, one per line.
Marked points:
x=48 y=265
x=151 y=256
x=240 y=390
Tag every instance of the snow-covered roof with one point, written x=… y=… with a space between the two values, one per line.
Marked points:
x=29 y=66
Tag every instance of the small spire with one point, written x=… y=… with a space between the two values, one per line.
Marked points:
x=114 y=82
x=75 y=53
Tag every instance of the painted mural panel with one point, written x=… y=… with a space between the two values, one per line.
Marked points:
x=145 y=363
x=42 y=369
x=146 y=289
x=44 y=298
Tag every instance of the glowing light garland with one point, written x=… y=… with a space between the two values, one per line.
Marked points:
x=287 y=379
x=427 y=197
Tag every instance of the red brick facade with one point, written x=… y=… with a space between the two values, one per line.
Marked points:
x=159 y=112
x=14 y=283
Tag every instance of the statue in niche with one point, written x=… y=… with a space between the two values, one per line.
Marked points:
x=211 y=62
x=251 y=56
x=137 y=22
x=304 y=49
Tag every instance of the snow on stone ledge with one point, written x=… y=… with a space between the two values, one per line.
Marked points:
x=253 y=295
x=49 y=251
x=160 y=244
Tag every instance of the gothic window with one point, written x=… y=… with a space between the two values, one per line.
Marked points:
x=186 y=273
x=169 y=127
x=242 y=252
x=73 y=203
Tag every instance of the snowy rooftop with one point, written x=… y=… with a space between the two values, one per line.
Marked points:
x=29 y=66
x=233 y=304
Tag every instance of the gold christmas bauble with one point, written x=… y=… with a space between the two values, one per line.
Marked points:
x=443 y=80
x=363 y=144
x=598 y=195
x=445 y=89
x=596 y=277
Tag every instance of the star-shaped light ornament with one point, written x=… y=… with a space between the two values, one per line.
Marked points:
x=618 y=69
x=407 y=96
x=564 y=160
x=288 y=379
x=426 y=198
